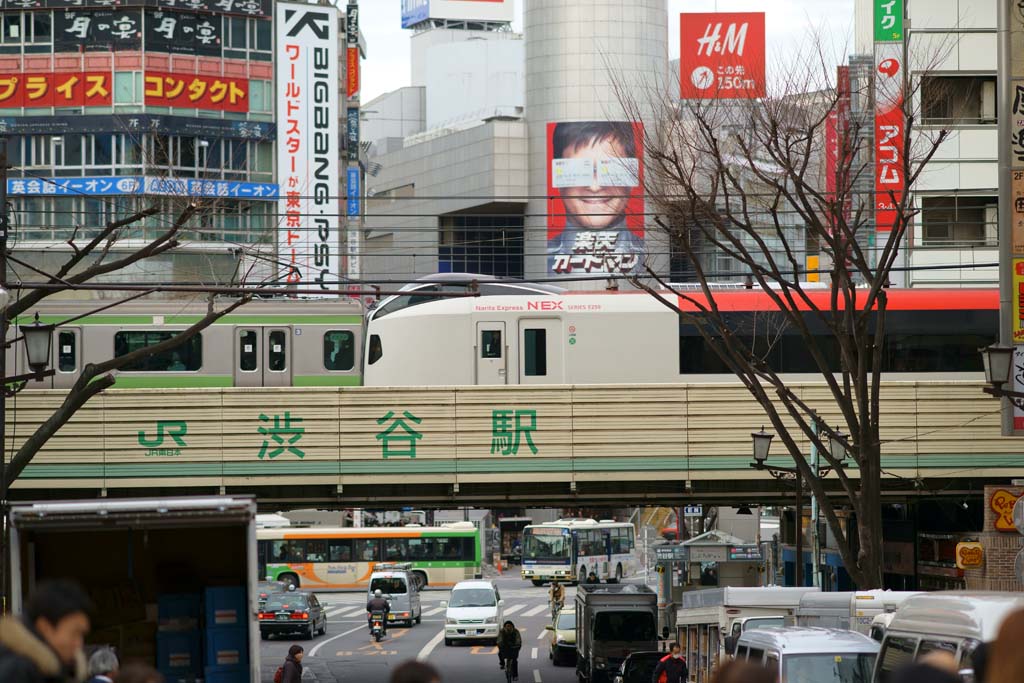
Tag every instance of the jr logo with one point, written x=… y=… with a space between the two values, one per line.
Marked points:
x=176 y=429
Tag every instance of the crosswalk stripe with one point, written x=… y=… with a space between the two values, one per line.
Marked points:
x=535 y=611
x=350 y=611
x=513 y=609
x=334 y=611
x=432 y=612
x=541 y=635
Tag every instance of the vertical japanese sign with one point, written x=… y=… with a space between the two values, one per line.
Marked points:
x=596 y=202
x=721 y=55
x=890 y=125
x=308 y=142
x=353 y=235
x=1011 y=199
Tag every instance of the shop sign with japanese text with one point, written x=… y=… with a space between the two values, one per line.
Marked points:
x=890 y=129
x=87 y=89
x=308 y=143
x=197 y=91
x=97 y=31
x=252 y=8
x=123 y=185
x=888 y=19
x=722 y=55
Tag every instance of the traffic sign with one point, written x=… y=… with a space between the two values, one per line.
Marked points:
x=670 y=553
x=693 y=511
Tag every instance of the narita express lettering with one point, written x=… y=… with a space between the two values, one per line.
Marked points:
x=544 y=306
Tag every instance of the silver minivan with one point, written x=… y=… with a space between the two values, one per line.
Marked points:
x=801 y=654
x=398 y=585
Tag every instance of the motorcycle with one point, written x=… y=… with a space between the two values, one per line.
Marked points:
x=377 y=625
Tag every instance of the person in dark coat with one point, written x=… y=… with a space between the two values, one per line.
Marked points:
x=293 y=665
x=45 y=645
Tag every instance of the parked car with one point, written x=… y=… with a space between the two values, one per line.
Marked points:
x=473 y=612
x=292 y=612
x=562 y=648
x=265 y=588
x=639 y=667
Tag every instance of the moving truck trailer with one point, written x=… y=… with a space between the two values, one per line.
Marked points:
x=708 y=620
x=173 y=579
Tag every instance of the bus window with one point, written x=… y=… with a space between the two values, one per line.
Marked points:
x=316 y=550
x=341 y=550
x=366 y=549
x=66 y=354
x=339 y=350
x=286 y=551
x=395 y=549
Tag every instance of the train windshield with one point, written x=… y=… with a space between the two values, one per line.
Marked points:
x=547 y=545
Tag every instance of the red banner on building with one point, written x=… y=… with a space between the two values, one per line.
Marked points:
x=721 y=55
x=352 y=62
x=92 y=89
x=890 y=128
x=195 y=91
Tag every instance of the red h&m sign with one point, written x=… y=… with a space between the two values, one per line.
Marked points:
x=721 y=55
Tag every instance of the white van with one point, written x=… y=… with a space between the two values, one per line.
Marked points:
x=954 y=621
x=398 y=585
x=474 y=611
x=799 y=654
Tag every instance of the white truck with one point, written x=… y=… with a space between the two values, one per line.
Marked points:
x=173 y=580
x=709 y=621
x=850 y=610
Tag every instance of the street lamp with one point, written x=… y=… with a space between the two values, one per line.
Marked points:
x=762 y=442
x=837 y=446
x=38 y=338
x=998 y=361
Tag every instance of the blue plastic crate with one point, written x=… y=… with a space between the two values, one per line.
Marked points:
x=178 y=652
x=219 y=674
x=227 y=647
x=178 y=606
x=225 y=606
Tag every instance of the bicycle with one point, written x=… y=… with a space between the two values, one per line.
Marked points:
x=512 y=666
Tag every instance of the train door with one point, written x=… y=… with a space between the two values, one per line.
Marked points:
x=67 y=356
x=491 y=352
x=540 y=351
x=263 y=357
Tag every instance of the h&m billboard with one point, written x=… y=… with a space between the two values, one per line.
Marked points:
x=308 y=143
x=721 y=55
x=417 y=11
x=595 y=197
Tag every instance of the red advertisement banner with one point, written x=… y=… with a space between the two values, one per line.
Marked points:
x=890 y=128
x=352 y=64
x=721 y=55
x=88 y=89
x=195 y=91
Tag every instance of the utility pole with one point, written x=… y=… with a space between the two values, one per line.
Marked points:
x=799 y=578
x=354 y=176
x=4 y=226
x=815 y=538
x=1011 y=184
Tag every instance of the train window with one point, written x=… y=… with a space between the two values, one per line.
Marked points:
x=248 y=351
x=66 y=352
x=490 y=343
x=536 y=352
x=277 y=358
x=187 y=357
x=339 y=350
x=376 y=350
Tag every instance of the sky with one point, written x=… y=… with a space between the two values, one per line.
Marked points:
x=789 y=23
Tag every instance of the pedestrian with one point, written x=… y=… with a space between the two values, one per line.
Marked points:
x=291 y=672
x=1005 y=660
x=413 y=671
x=137 y=672
x=45 y=645
x=735 y=671
x=672 y=667
x=592 y=580
x=103 y=666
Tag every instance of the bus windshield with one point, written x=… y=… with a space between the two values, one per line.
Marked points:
x=547 y=545
x=828 y=668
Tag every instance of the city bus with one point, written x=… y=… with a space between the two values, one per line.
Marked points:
x=569 y=549
x=329 y=557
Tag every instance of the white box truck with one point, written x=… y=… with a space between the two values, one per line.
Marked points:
x=709 y=621
x=173 y=580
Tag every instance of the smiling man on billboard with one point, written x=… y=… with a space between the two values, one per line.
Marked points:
x=595 y=213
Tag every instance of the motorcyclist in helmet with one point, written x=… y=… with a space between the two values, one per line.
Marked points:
x=378 y=604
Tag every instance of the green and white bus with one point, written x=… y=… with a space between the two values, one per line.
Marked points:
x=330 y=557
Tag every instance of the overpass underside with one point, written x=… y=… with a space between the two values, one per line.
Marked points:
x=487 y=446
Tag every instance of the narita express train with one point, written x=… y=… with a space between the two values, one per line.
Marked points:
x=512 y=333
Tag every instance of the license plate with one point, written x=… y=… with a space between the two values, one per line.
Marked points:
x=283 y=617
x=391 y=617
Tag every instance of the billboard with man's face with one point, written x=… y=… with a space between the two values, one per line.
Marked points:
x=595 y=197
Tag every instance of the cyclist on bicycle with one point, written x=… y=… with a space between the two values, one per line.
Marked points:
x=509 y=644
x=557 y=594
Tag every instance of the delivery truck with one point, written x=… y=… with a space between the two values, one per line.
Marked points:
x=612 y=621
x=173 y=580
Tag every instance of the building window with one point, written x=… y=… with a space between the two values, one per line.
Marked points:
x=959 y=221
x=958 y=99
x=491 y=244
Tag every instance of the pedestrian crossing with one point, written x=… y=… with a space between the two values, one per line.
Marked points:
x=352 y=606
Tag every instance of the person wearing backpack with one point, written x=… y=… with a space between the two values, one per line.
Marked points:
x=291 y=671
x=672 y=667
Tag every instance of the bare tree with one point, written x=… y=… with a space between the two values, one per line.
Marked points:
x=747 y=179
